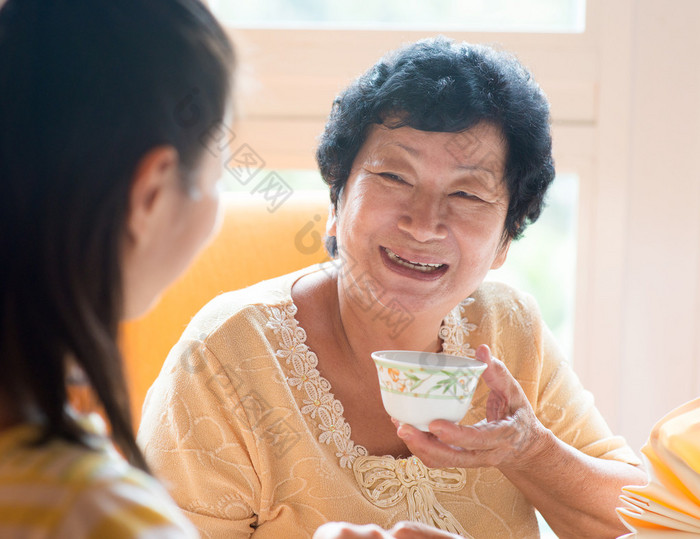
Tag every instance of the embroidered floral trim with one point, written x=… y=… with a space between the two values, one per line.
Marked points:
x=318 y=401
x=455 y=331
x=386 y=481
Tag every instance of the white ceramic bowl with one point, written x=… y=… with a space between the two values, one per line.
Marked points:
x=419 y=387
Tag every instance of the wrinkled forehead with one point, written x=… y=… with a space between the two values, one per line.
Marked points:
x=481 y=148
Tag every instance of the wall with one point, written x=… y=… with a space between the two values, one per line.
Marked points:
x=638 y=337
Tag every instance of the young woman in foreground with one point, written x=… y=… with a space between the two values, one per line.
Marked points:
x=107 y=194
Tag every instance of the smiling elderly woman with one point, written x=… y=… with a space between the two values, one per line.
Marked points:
x=267 y=418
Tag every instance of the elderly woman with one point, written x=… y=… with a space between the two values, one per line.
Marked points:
x=267 y=418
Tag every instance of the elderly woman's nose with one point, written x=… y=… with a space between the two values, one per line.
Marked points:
x=423 y=219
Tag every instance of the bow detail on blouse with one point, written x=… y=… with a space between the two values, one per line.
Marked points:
x=386 y=481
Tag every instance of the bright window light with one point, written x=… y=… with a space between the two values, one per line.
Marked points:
x=543 y=262
x=550 y=16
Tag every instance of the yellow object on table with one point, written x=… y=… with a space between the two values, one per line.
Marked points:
x=669 y=505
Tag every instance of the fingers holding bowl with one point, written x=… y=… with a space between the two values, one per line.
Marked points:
x=501 y=383
x=501 y=439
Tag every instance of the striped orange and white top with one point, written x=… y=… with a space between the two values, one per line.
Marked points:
x=62 y=490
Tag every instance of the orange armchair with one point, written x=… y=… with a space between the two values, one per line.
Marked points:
x=253 y=244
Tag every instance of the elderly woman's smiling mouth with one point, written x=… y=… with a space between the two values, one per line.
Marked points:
x=416 y=266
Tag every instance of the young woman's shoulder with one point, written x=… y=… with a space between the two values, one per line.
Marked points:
x=61 y=489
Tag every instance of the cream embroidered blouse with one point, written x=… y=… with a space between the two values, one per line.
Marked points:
x=249 y=438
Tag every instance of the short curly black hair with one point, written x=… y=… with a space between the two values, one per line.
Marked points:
x=438 y=84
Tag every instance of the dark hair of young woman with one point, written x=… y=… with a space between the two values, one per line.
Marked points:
x=81 y=101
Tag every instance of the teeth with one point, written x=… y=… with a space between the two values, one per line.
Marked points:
x=425 y=268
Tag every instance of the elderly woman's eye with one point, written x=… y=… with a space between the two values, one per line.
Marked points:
x=392 y=177
x=464 y=194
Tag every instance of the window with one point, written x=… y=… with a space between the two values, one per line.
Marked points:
x=441 y=15
x=543 y=261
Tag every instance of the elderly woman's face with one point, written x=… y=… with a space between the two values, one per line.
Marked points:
x=421 y=219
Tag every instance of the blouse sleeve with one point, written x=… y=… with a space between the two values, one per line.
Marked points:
x=569 y=411
x=128 y=504
x=197 y=438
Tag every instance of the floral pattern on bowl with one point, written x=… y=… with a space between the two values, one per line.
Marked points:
x=428 y=384
x=419 y=387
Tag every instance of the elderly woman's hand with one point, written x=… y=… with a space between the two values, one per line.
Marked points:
x=403 y=530
x=511 y=436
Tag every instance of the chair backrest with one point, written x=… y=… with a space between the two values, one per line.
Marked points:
x=253 y=244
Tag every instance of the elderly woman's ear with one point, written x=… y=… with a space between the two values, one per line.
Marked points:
x=501 y=253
